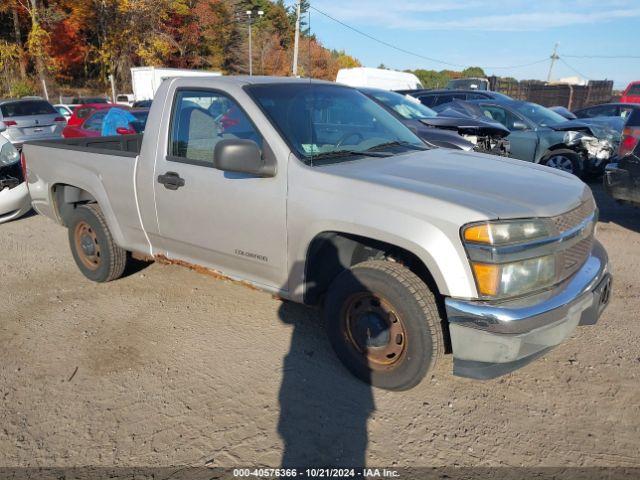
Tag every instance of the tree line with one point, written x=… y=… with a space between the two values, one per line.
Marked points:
x=73 y=44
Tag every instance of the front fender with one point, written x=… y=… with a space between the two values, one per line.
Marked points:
x=442 y=257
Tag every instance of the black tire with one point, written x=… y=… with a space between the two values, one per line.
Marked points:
x=94 y=251
x=565 y=160
x=377 y=291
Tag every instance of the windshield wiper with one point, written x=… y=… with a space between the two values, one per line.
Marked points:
x=348 y=153
x=396 y=143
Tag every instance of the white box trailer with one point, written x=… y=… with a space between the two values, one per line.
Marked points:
x=146 y=80
x=378 y=78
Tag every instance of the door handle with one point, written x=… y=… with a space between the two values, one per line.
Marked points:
x=171 y=180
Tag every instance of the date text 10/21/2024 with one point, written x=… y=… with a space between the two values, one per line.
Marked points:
x=316 y=473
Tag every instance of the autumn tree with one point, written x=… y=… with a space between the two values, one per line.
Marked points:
x=79 y=43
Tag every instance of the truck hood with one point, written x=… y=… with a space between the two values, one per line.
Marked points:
x=492 y=186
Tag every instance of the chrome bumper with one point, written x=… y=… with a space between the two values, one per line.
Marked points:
x=490 y=339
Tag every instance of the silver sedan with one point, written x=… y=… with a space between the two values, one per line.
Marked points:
x=30 y=119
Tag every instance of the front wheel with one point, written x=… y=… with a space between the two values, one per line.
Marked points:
x=92 y=246
x=383 y=324
x=565 y=160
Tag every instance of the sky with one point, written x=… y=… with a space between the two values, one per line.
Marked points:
x=489 y=34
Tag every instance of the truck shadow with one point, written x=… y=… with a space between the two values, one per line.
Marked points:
x=323 y=411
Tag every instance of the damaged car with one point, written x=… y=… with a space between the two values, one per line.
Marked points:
x=14 y=196
x=540 y=135
x=449 y=131
x=622 y=177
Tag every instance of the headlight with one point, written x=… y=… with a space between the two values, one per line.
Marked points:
x=495 y=275
x=8 y=155
x=516 y=278
x=504 y=233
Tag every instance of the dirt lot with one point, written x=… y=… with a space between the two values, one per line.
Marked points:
x=171 y=367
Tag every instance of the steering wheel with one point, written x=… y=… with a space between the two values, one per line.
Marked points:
x=347 y=136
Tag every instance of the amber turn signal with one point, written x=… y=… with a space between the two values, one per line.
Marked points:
x=487 y=278
x=478 y=234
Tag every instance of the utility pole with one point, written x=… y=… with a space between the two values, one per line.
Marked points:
x=296 y=39
x=249 y=13
x=113 y=88
x=554 y=57
x=44 y=88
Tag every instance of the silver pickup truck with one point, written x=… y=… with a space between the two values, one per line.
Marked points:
x=313 y=192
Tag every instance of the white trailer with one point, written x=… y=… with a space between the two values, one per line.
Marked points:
x=378 y=78
x=146 y=80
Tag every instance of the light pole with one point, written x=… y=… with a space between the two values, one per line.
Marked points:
x=296 y=40
x=249 y=13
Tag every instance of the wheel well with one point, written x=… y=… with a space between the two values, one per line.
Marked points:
x=67 y=197
x=332 y=252
x=559 y=146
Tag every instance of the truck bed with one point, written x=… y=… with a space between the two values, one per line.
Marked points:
x=104 y=167
x=124 y=145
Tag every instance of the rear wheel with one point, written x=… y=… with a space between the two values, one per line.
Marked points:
x=93 y=248
x=565 y=160
x=383 y=324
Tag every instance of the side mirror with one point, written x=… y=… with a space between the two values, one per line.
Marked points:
x=3 y=127
x=520 y=126
x=242 y=156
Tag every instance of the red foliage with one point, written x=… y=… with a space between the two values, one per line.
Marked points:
x=68 y=49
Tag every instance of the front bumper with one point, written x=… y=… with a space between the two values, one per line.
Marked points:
x=491 y=339
x=619 y=184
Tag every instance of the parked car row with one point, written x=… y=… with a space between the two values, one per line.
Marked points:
x=449 y=132
x=29 y=119
x=536 y=134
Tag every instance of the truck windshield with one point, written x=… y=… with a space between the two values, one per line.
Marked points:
x=332 y=123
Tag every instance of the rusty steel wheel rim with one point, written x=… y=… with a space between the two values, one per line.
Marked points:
x=375 y=330
x=87 y=245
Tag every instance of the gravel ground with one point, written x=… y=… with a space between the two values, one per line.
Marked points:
x=171 y=367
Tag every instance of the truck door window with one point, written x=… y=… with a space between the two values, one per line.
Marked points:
x=201 y=119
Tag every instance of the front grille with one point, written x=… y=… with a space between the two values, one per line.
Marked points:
x=574 y=257
x=574 y=217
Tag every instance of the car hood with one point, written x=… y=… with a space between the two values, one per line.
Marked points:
x=440 y=137
x=493 y=187
x=602 y=127
x=466 y=125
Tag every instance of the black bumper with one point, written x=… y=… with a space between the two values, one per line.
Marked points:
x=621 y=185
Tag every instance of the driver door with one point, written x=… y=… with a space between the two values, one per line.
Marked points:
x=231 y=222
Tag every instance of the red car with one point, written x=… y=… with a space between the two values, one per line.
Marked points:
x=78 y=125
x=631 y=94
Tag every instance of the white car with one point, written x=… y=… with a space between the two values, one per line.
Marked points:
x=66 y=110
x=14 y=195
x=125 y=99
